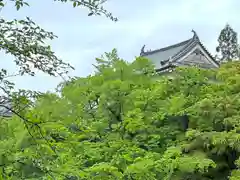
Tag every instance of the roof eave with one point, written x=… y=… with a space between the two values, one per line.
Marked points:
x=165 y=48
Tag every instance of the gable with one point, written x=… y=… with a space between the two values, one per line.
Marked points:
x=197 y=56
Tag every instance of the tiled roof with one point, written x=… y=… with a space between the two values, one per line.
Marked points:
x=165 y=56
x=174 y=46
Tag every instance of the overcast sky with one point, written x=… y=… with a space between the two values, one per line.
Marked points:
x=154 y=23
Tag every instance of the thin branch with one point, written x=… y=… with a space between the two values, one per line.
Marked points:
x=12 y=75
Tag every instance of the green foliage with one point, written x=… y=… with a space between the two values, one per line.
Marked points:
x=228 y=47
x=122 y=123
x=25 y=41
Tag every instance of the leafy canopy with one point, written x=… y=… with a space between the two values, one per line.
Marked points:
x=127 y=122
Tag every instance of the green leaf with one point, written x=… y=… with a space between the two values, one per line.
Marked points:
x=90 y=14
x=74 y=4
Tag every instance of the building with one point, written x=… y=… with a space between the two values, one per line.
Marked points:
x=190 y=52
x=5 y=108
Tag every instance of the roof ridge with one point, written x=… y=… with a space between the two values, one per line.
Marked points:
x=168 y=47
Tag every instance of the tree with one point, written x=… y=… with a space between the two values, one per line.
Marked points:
x=228 y=44
x=122 y=123
x=26 y=42
x=95 y=7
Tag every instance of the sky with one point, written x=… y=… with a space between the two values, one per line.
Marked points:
x=154 y=23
